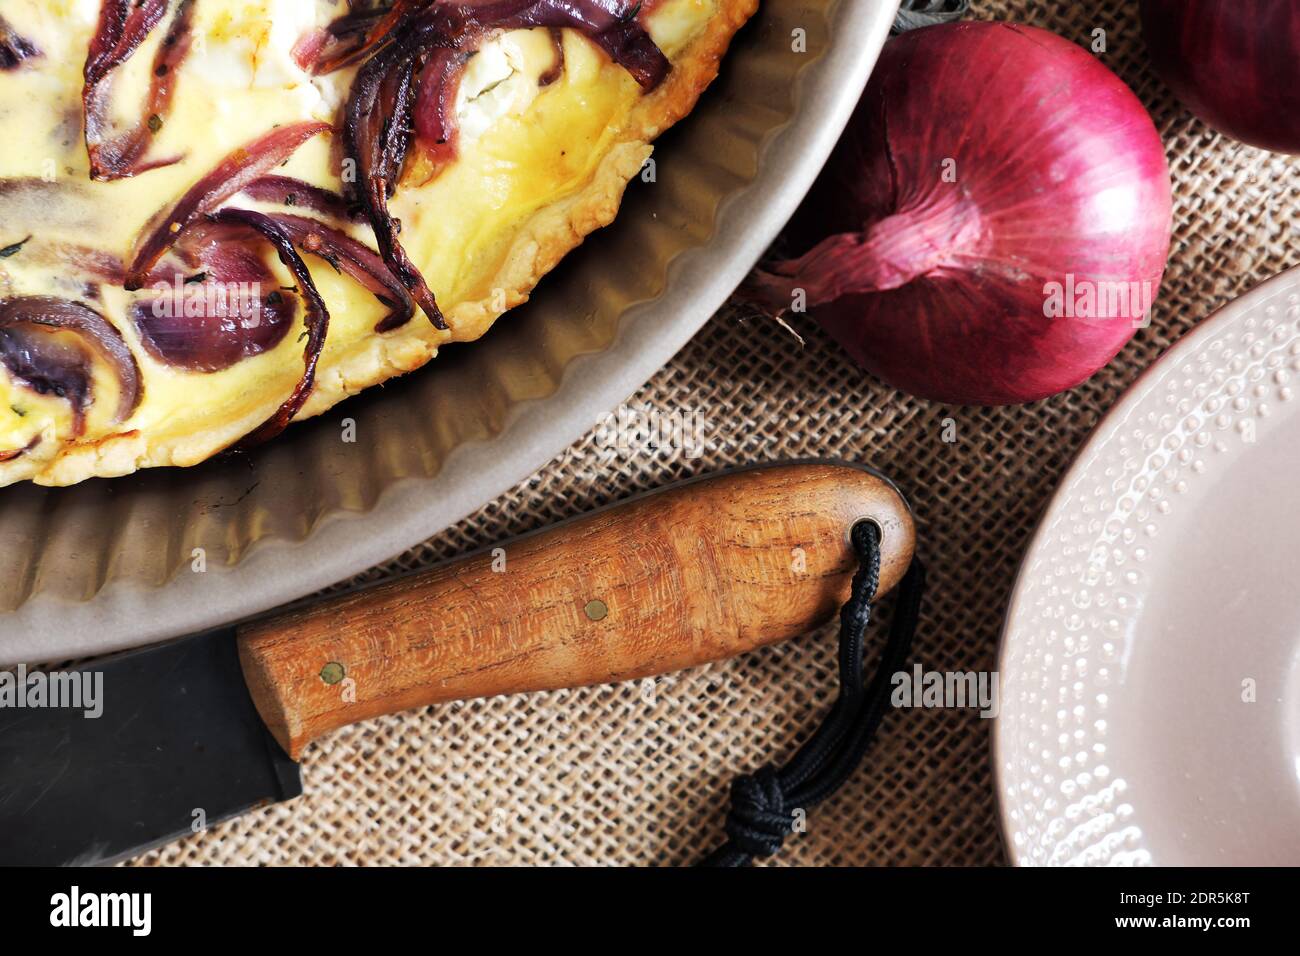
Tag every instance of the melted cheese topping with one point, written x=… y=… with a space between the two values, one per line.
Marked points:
x=522 y=147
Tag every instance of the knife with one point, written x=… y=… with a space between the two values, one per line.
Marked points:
x=202 y=729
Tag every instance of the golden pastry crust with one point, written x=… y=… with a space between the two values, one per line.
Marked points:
x=541 y=242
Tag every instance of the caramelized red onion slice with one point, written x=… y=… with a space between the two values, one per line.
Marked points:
x=628 y=45
x=342 y=39
x=310 y=47
x=14 y=49
x=233 y=174
x=15 y=453
x=123 y=26
x=287 y=191
x=228 y=308
x=557 y=69
x=317 y=319
x=355 y=35
x=353 y=259
x=611 y=24
x=120 y=157
x=419 y=64
x=377 y=136
x=340 y=250
x=435 y=110
x=34 y=352
x=205 y=246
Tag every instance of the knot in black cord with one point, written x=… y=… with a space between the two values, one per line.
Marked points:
x=763 y=805
x=759 y=821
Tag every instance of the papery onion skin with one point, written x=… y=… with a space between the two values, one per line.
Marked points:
x=29 y=327
x=1019 y=164
x=1234 y=63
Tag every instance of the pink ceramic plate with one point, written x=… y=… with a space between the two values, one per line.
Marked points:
x=1150 y=665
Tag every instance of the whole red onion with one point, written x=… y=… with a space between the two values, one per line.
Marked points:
x=1234 y=63
x=995 y=193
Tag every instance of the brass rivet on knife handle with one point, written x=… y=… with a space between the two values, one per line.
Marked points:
x=333 y=672
x=698 y=572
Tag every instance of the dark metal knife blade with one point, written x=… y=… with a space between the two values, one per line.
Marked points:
x=179 y=746
x=205 y=728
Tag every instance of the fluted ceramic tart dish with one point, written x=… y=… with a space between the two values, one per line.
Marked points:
x=213 y=226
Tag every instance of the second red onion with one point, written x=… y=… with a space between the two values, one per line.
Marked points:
x=1234 y=63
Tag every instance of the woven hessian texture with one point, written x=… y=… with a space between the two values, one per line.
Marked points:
x=637 y=773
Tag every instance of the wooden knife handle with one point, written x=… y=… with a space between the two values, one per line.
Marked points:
x=694 y=573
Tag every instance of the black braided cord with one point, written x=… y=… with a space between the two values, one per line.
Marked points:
x=764 y=805
x=914 y=14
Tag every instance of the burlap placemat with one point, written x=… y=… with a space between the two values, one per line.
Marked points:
x=637 y=773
